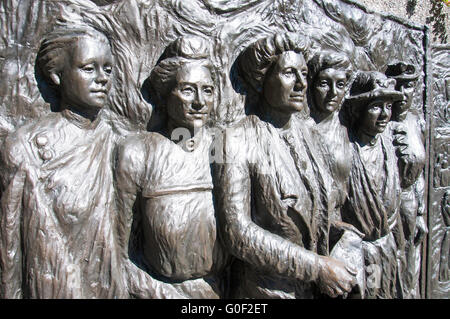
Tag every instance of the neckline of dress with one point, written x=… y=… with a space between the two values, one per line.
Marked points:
x=80 y=121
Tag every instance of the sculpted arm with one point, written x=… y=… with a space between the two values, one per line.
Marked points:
x=260 y=248
x=130 y=165
x=410 y=152
x=251 y=243
x=245 y=239
x=11 y=212
x=129 y=162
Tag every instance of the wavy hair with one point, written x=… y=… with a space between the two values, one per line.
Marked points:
x=259 y=57
x=184 y=50
x=328 y=59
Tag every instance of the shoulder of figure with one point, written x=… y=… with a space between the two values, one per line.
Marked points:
x=246 y=126
x=29 y=141
x=134 y=145
x=134 y=150
x=240 y=133
x=244 y=140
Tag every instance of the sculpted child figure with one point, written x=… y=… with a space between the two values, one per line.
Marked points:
x=374 y=189
x=271 y=210
x=167 y=179
x=57 y=222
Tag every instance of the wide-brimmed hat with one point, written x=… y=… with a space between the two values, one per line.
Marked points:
x=402 y=71
x=372 y=85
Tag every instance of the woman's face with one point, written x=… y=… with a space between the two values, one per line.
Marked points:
x=407 y=88
x=192 y=99
x=285 y=85
x=375 y=117
x=85 y=79
x=329 y=90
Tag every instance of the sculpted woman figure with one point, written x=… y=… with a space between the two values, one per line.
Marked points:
x=271 y=188
x=167 y=179
x=409 y=138
x=374 y=190
x=57 y=222
x=329 y=75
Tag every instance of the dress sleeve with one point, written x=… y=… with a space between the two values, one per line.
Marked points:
x=131 y=161
x=12 y=184
x=127 y=178
x=245 y=239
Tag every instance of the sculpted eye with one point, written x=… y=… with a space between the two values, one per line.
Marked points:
x=323 y=83
x=375 y=107
x=208 y=90
x=388 y=106
x=107 y=69
x=341 y=84
x=187 y=90
x=289 y=72
x=88 y=68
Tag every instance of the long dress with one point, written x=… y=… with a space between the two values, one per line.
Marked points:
x=173 y=237
x=373 y=207
x=412 y=200
x=270 y=193
x=57 y=216
x=333 y=146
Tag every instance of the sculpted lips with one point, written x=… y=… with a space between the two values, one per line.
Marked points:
x=382 y=123
x=102 y=92
x=331 y=102
x=197 y=115
x=297 y=97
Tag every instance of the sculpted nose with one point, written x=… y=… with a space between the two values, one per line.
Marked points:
x=402 y=90
x=199 y=102
x=333 y=89
x=384 y=112
x=300 y=82
x=102 y=77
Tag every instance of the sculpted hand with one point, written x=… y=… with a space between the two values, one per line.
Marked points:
x=335 y=278
x=401 y=144
x=409 y=163
x=400 y=140
x=421 y=230
x=346 y=226
x=400 y=136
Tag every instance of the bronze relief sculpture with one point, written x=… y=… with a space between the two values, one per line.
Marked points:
x=220 y=149
x=168 y=177
x=330 y=74
x=374 y=186
x=330 y=78
x=273 y=216
x=57 y=226
x=409 y=140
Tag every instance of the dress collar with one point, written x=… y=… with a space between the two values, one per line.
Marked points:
x=81 y=121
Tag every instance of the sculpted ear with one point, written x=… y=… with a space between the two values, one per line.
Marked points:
x=56 y=78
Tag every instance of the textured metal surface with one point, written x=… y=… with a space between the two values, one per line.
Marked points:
x=210 y=149
x=438 y=247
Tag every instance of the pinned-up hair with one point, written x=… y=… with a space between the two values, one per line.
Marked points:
x=328 y=59
x=257 y=59
x=184 y=50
